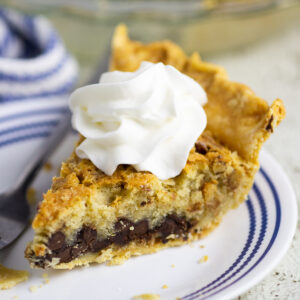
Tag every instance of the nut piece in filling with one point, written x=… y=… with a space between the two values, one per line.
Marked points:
x=89 y=216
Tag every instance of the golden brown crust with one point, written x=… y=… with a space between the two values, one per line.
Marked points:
x=66 y=192
x=236 y=116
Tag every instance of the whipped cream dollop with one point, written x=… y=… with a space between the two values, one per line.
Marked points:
x=149 y=119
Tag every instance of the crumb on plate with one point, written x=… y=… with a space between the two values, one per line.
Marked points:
x=164 y=286
x=33 y=288
x=9 y=277
x=47 y=166
x=172 y=266
x=203 y=259
x=31 y=196
x=46 y=278
x=146 y=297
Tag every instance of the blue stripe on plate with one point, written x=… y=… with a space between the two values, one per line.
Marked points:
x=256 y=247
x=53 y=110
x=50 y=123
x=252 y=228
x=275 y=232
x=195 y=294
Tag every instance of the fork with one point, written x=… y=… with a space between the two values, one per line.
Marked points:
x=14 y=208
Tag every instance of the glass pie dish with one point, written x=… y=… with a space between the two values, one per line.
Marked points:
x=207 y=26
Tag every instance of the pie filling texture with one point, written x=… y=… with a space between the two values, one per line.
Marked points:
x=125 y=231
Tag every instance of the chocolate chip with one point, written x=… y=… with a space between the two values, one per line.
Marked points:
x=99 y=245
x=176 y=218
x=182 y=224
x=122 y=224
x=89 y=234
x=201 y=147
x=139 y=229
x=167 y=227
x=79 y=248
x=75 y=252
x=122 y=228
x=64 y=255
x=126 y=231
x=122 y=238
x=56 y=241
x=173 y=224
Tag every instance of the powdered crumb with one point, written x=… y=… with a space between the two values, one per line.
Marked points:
x=146 y=297
x=47 y=167
x=9 y=277
x=33 y=288
x=46 y=278
x=31 y=196
x=131 y=228
x=164 y=286
x=171 y=236
x=172 y=266
x=203 y=259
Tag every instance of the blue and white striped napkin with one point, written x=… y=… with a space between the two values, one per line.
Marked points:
x=36 y=77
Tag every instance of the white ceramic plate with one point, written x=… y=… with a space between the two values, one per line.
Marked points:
x=247 y=245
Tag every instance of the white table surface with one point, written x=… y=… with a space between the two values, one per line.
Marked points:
x=272 y=69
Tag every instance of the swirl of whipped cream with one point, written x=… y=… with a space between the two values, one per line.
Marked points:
x=149 y=119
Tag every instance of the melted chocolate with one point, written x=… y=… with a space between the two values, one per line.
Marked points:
x=125 y=231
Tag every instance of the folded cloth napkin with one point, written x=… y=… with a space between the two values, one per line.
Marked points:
x=36 y=76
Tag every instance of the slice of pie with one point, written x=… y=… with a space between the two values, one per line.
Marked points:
x=89 y=217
